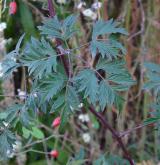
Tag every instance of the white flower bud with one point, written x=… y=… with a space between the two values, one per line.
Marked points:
x=5 y=124
x=89 y=13
x=84 y=118
x=61 y=1
x=3 y=26
x=80 y=105
x=80 y=5
x=96 y=5
x=21 y=94
x=86 y=137
x=35 y=95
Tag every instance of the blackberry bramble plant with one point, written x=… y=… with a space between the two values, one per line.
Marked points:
x=57 y=84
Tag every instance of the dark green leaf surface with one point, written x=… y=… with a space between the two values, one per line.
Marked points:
x=108 y=49
x=107 y=27
x=72 y=98
x=106 y=95
x=57 y=103
x=54 y=28
x=153 y=76
x=88 y=83
x=51 y=85
x=40 y=58
x=7 y=139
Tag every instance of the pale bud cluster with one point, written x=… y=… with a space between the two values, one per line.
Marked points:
x=84 y=118
x=86 y=137
x=90 y=12
x=21 y=94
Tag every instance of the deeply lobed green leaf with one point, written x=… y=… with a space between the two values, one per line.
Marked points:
x=53 y=28
x=39 y=57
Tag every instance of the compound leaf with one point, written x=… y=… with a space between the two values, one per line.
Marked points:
x=39 y=57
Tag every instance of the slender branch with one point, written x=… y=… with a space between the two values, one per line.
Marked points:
x=31 y=150
x=81 y=46
x=51 y=8
x=63 y=59
x=41 y=141
x=124 y=133
x=105 y=9
x=58 y=42
x=46 y=154
x=114 y=133
x=142 y=23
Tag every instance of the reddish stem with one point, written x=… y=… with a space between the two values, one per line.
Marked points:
x=51 y=8
x=58 y=42
x=114 y=133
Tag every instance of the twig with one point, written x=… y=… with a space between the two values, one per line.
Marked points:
x=124 y=133
x=142 y=23
x=114 y=133
x=51 y=8
x=46 y=154
x=59 y=43
x=31 y=150
x=105 y=7
x=81 y=46
x=40 y=141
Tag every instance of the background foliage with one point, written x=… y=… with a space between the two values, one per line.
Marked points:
x=113 y=56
